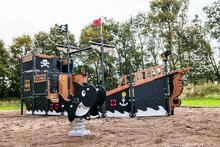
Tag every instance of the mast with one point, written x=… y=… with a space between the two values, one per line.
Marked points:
x=102 y=67
x=68 y=59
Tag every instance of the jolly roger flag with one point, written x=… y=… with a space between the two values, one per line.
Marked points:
x=63 y=28
x=96 y=22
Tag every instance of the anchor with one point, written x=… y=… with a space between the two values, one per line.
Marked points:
x=123 y=104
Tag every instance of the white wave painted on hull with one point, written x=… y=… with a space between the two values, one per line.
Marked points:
x=148 y=112
x=116 y=114
x=152 y=112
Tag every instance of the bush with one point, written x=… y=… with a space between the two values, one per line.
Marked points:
x=206 y=90
x=9 y=102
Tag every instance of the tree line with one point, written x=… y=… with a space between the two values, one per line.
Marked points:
x=138 y=43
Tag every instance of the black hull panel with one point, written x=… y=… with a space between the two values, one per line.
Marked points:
x=149 y=100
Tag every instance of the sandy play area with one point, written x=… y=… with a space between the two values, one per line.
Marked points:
x=188 y=127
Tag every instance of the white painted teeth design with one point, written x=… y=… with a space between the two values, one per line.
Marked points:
x=81 y=110
x=43 y=113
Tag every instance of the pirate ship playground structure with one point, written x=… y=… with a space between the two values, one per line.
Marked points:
x=48 y=86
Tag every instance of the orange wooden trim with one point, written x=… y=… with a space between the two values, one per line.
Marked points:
x=149 y=74
x=44 y=56
x=177 y=88
x=63 y=86
x=150 y=69
x=135 y=77
x=72 y=89
x=54 y=97
x=123 y=81
x=146 y=73
x=147 y=80
x=138 y=76
x=18 y=56
x=110 y=92
x=27 y=58
x=39 y=78
x=48 y=89
x=182 y=71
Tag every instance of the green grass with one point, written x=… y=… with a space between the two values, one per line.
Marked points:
x=10 y=107
x=10 y=104
x=199 y=102
x=205 y=94
x=210 y=101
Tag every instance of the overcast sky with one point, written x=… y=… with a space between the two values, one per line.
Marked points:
x=19 y=17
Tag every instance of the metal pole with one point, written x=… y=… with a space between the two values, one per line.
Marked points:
x=102 y=63
x=102 y=66
x=167 y=88
x=73 y=63
x=68 y=59
x=46 y=102
x=21 y=84
x=32 y=84
x=22 y=80
x=131 y=95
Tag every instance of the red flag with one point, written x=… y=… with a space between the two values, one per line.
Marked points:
x=96 y=22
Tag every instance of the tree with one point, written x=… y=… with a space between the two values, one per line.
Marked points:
x=47 y=41
x=20 y=45
x=93 y=58
x=196 y=52
x=187 y=42
x=4 y=71
x=213 y=18
x=128 y=51
x=42 y=41
x=163 y=13
x=139 y=25
x=180 y=32
x=212 y=26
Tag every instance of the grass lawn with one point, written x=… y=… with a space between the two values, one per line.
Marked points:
x=10 y=107
x=199 y=102
x=10 y=104
x=14 y=104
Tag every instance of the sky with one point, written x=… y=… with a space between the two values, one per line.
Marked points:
x=19 y=17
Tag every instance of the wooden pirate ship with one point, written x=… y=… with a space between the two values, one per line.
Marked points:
x=48 y=86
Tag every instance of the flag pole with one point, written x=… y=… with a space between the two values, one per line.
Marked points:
x=102 y=50
x=102 y=67
x=68 y=59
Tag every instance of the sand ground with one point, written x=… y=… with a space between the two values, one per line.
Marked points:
x=188 y=127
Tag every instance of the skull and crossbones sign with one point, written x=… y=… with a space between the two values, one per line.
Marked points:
x=44 y=63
